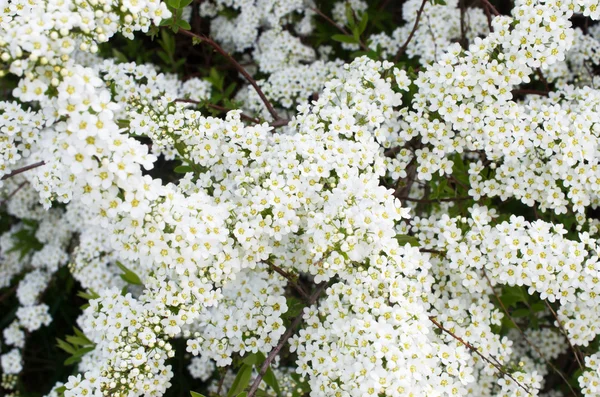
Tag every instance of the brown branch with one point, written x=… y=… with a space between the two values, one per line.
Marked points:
x=529 y=92
x=474 y=350
x=291 y=279
x=13 y=193
x=412 y=33
x=217 y=107
x=23 y=169
x=240 y=68
x=404 y=190
x=416 y=200
x=431 y=251
x=287 y=335
x=525 y=336
x=490 y=7
x=338 y=27
x=576 y=352
x=463 y=29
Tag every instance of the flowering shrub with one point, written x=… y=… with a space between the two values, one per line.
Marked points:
x=293 y=198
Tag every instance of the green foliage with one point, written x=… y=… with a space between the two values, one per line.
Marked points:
x=129 y=276
x=76 y=345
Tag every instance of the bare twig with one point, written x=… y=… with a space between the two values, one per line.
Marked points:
x=416 y=200
x=525 y=336
x=338 y=27
x=474 y=350
x=287 y=335
x=23 y=169
x=412 y=32
x=463 y=29
x=529 y=92
x=490 y=7
x=13 y=193
x=240 y=68
x=291 y=279
x=217 y=107
x=576 y=352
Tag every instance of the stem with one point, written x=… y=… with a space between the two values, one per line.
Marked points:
x=412 y=33
x=573 y=348
x=23 y=169
x=525 y=336
x=291 y=279
x=239 y=67
x=490 y=7
x=288 y=334
x=338 y=27
x=13 y=193
x=217 y=107
x=474 y=350
x=416 y=200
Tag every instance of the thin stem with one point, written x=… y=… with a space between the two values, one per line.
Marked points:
x=23 y=169
x=291 y=279
x=474 y=350
x=576 y=352
x=525 y=336
x=412 y=33
x=239 y=67
x=13 y=193
x=490 y=7
x=217 y=107
x=338 y=27
x=416 y=200
x=287 y=335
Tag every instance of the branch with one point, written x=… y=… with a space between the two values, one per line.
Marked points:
x=575 y=351
x=13 y=193
x=412 y=32
x=474 y=350
x=239 y=67
x=416 y=200
x=23 y=169
x=217 y=107
x=291 y=279
x=525 y=336
x=338 y=27
x=490 y=7
x=288 y=334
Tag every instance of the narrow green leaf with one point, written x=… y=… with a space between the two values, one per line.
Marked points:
x=183 y=169
x=241 y=381
x=363 y=23
x=194 y=394
x=344 y=39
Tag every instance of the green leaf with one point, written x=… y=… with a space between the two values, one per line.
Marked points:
x=271 y=380
x=350 y=15
x=404 y=239
x=129 y=276
x=183 y=24
x=363 y=23
x=77 y=356
x=184 y=3
x=65 y=346
x=250 y=359
x=173 y=3
x=241 y=381
x=242 y=394
x=183 y=169
x=521 y=313
x=344 y=39
x=196 y=40
x=194 y=394
x=166 y=22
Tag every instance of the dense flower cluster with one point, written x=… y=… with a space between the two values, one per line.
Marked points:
x=216 y=251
